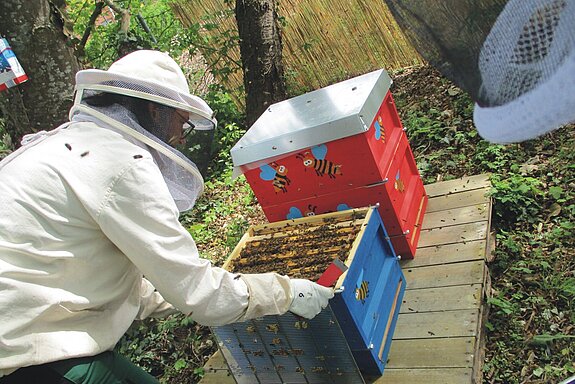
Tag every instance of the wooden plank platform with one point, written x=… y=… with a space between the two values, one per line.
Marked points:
x=439 y=335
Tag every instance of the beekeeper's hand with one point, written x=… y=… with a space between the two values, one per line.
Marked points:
x=309 y=298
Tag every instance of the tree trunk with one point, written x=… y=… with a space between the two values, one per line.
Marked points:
x=261 y=53
x=35 y=32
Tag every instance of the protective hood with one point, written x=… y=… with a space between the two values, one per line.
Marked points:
x=181 y=175
x=156 y=78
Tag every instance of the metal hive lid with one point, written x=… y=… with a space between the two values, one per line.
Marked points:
x=340 y=110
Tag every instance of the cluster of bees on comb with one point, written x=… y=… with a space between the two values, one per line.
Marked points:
x=299 y=250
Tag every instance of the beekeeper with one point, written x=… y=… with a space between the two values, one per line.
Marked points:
x=90 y=208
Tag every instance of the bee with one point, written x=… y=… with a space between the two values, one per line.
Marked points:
x=297 y=351
x=273 y=328
x=301 y=325
x=379 y=131
x=310 y=210
x=277 y=174
x=362 y=292
x=316 y=160
x=296 y=213
x=399 y=185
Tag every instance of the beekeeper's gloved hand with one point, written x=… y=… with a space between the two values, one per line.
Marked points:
x=309 y=298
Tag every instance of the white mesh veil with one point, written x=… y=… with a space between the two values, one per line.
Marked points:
x=515 y=58
x=184 y=185
x=154 y=77
x=527 y=67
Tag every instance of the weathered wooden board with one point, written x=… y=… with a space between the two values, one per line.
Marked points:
x=463 y=184
x=454 y=216
x=451 y=352
x=462 y=297
x=453 y=234
x=427 y=376
x=447 y=253
x=216 y=371
x=428 y=325
x=439 y=333
x=457 y=200
x=445 y=275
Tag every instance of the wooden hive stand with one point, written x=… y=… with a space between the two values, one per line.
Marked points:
x=439 y=336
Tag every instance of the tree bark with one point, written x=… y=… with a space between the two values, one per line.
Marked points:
x=261 y=53
x=35 y=31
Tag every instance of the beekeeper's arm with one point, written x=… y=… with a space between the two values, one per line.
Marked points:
x=152 y=303
x=141 y=219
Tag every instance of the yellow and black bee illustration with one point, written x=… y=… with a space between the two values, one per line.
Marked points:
x=310 y=210
x=379 y=131
x=277 y=174
x=316 y=160
x=362 y=291
x=399 y=185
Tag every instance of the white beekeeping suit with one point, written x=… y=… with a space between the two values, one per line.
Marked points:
x=92 y=207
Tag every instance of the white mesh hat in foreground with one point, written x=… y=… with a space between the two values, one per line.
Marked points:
x=527 y=66
x=515 y=58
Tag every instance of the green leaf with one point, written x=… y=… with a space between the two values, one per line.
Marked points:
x=555 y=192
x=546 y=339
x=180 y=364
x=504 y=305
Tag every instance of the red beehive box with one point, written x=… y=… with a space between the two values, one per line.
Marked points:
x=401 y=198
x=336 y=148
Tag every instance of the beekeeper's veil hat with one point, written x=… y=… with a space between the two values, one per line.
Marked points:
x=155 y=77
x=515 y=58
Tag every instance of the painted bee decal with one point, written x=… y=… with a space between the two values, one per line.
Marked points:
x=379 y=131
x=399 y=185
x=277 y=174
x=295 y=212
x=362 y=291
x=316 y=160
x=361 y=288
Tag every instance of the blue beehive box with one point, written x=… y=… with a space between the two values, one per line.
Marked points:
x=351 y=337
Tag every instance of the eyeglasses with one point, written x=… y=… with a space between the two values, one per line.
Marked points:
x=187 y=129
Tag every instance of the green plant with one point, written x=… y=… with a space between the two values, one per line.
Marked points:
x=171 y=348
x=517 y=198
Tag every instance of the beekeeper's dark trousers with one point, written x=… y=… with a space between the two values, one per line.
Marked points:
x=105 y=368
